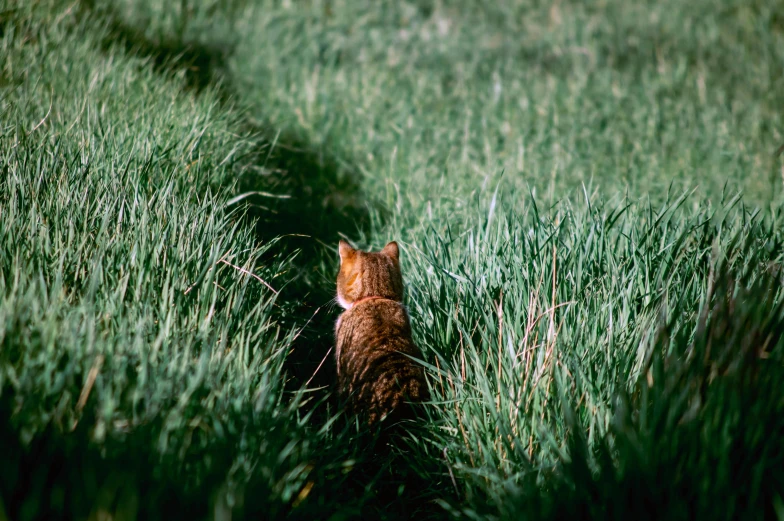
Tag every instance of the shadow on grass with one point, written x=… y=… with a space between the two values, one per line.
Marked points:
x=324 y=199
x=298 y=192
x=57 y=476
x=200 y=64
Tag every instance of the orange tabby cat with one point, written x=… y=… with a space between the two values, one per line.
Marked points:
x=373 y=337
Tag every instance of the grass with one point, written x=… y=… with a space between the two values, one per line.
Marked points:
x=590 y=213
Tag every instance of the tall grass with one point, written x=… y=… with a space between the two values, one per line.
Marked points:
x=549 y=337
x=174 y=177
x=138 y=318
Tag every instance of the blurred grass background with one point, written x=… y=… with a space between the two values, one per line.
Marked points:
x=589 y=204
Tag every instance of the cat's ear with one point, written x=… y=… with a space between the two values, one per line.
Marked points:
x=391 y=250
x=345 y=250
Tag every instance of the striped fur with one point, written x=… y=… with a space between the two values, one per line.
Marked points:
x=376 y=377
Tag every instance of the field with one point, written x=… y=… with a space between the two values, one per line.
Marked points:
x=588 y=198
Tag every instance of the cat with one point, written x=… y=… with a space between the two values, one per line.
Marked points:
x=376 y=377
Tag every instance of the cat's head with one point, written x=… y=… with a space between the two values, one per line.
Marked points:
x=369 y=274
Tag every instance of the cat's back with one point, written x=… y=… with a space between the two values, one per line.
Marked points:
x=375 y=365
x=374 y=323
x=375 y=349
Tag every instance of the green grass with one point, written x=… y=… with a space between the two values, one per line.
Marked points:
x=589 y=207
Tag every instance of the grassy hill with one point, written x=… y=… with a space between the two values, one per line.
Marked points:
x=588 y=200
